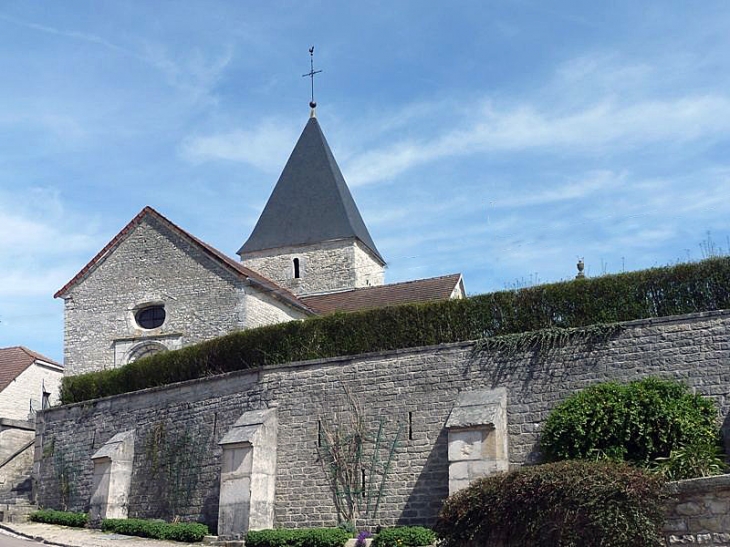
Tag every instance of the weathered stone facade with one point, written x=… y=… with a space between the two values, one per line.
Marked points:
x=24 y=395
x=326 y=267
x=153 y=265
x=177 y=462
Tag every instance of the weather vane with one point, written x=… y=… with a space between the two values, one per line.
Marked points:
x=311 y=74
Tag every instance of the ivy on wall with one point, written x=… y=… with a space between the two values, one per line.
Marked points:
x=657 y=292
x=173 y=460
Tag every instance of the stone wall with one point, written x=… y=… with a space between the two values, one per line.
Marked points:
x=14 y=461
x=177 y=457
x=325 y=267
x=699 y=512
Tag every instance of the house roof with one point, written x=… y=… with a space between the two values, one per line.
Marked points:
x=310 y=203
x=238 y=269
x=420 y=290
x=14 y=360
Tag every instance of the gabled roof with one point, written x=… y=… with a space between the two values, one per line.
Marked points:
x=310 y=203
x=257 y=280
x=420 y=290
x=15 y=360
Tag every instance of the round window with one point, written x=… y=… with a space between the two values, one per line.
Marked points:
x=150 y=317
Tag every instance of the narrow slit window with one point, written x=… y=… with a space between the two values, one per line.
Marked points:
x=319 y=433
x=363 y=483
x=296 y=268
x=410 y=426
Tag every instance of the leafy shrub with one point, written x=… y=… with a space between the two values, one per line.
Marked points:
x=64 y=518
x=638 y=422
x=656 y=292
x=404 y=536
x=304 y=537
x=565 y=504
x=694 y=460
x=179 y=531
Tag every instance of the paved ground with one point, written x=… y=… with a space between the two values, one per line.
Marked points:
x=50 y=534
x=12 y=540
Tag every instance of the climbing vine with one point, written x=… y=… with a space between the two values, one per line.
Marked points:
x=174 y=460
x=357 y=458
x=65 y=474
x=544 y=340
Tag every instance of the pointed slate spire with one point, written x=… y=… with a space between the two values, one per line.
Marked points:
x=310 y=203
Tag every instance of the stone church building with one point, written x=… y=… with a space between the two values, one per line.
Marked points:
x=156 y=287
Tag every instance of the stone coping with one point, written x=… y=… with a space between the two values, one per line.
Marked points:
x=8 y=423
x=689 y=317
x=701 y=484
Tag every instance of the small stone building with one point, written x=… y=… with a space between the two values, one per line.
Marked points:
x=29 y=382
x=156 y=287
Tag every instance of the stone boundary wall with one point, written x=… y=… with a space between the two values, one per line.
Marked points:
x=177 y=457
x=699 y=512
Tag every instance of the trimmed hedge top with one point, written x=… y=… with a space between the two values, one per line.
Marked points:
x=657 y=292
x=303 y=537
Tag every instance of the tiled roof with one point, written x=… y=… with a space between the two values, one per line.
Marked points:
x=14 y=360
x=310 y=202
x=256 y=279
x=420 y=290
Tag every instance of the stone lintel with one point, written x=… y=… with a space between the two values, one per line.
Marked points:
x=476 y=408
x=114 y=448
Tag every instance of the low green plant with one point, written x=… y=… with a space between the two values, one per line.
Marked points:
x=637 y=422
x=694 y=460
x=404 y=536
x=64 y=518
x=179 y=531
x=658 y=292
x=564 y=504
x=303 y=537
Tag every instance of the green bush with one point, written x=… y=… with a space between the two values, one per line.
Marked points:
x=180 y=531
x=64 y=518
x=656 y=292
x=692 y=460
x=304 y=537
x=637 y=422
x=404 y=536
x=565 y=504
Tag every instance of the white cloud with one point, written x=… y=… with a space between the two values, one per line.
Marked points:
x=265 y=147
x=604 y=125
x=194 y=73
x=42 y=243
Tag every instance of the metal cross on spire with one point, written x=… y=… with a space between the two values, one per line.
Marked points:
x=311 y=74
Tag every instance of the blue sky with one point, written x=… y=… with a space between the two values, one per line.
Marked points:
x=503 y=140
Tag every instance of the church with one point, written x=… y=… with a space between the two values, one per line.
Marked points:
x=155 y=287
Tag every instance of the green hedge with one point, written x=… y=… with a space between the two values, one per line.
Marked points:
x=404 y=536
x=180 y=531
x=64 y=518
x=305 y=537
x=684 y=288
x=639 y=421
x=565 y=504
